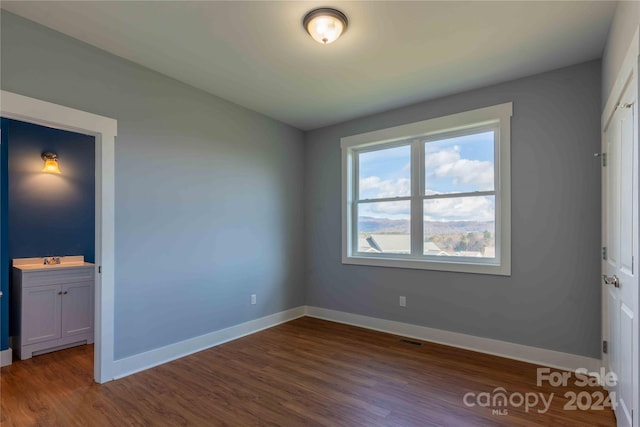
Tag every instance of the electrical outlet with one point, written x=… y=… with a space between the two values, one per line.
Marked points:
x=253 y=299
x=403 y=301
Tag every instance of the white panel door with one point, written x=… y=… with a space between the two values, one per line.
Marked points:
x=619 y=272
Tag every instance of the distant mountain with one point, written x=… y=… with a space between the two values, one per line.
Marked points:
x=381 y=225
x=452 y=227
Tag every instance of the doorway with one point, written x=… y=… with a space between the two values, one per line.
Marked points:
x=104 y=129
x=50 y=211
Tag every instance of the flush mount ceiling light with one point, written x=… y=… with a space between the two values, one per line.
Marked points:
x=50 y=163
x=325 y=25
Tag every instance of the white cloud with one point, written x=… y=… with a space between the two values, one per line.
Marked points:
x=460 y=209
x=448 y=164
x=373 y=187
x=447 y=209
x=437 y=158
x=390 y=210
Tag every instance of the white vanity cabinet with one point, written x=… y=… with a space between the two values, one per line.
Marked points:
x=52 y=307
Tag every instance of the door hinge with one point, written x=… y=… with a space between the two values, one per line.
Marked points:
x=604 y=252
x=99 y=269
x=603 y=158
x=605 y=347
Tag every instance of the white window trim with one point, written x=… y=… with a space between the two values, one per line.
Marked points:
x=499 y=115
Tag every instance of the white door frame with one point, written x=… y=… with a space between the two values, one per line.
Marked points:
x=628 y=71
x=104 y=129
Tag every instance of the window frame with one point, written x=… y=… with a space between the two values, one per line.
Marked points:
x=416 y=135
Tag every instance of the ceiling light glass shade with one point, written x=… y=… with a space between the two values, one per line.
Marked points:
x=325 y=25
x=50 y=163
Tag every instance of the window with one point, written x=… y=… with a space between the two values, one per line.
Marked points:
x=430 y=195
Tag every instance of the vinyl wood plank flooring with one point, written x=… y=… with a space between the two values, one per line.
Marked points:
x=307 y=372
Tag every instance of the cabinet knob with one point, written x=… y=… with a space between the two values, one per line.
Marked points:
x=66 y=292
x=60 y=293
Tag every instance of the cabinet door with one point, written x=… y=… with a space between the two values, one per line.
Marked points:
x=77 y=308
x=40 y=313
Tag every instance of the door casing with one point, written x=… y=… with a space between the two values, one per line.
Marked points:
x=104 y=129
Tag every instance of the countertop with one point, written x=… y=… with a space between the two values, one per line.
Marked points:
x=42 y=267
x=38 y=264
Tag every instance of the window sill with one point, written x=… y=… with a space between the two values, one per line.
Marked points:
x=457 y=267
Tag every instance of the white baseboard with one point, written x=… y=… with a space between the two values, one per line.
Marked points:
x=6 y=357
x=140 y=362
x=538 y=356
x=555 y=359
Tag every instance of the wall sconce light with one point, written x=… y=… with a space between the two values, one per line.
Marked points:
x=325 y=25
x=50 y=163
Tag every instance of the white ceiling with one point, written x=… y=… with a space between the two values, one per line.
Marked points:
x=257 y=54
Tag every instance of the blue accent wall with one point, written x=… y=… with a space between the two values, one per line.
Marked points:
x=4 y=240
x=50 y=214
x=45 y=214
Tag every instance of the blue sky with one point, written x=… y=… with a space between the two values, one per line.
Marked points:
x=455 y=165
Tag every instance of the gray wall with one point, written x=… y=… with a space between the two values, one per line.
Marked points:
x=552 y=299
x=209 y=198
x=208 y=194
x=623 y=26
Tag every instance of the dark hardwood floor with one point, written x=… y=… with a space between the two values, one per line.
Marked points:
x=306 y=372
